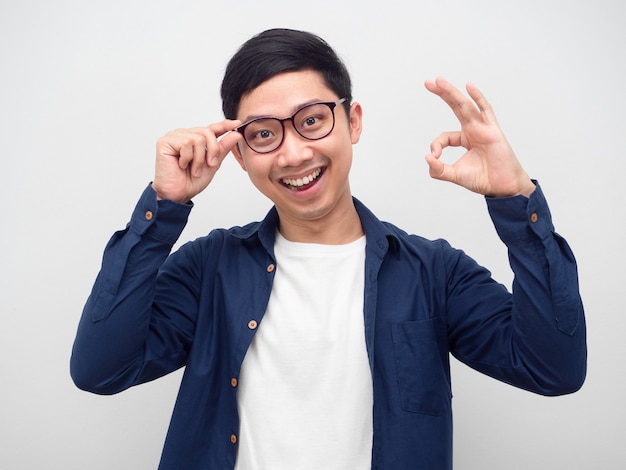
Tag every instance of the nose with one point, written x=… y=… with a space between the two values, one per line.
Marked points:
x=294 y=149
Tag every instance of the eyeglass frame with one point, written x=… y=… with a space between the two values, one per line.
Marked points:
x=331 y=104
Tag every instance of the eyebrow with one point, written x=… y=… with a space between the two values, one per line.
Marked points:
x=294 y=110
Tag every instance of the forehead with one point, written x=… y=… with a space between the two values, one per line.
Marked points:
x=283 y=94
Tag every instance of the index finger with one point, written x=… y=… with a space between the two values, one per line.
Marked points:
x=220 y=128
x=226 y=132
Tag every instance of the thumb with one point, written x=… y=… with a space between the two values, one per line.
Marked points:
x=228 y=142
x=436 y=168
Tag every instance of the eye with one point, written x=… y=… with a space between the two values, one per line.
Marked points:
x=311 y=122
x=262 y=131
x=262 y=134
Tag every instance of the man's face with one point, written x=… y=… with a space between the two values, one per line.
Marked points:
x=307 y=180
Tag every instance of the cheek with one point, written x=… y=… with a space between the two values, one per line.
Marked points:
x=257 y=172
x=347 y=137
x=341 y=148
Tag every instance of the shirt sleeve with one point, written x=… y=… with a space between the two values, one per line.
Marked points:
x=534 y=337
x=121 y=337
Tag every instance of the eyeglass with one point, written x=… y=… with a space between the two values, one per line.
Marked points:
x=313 y=122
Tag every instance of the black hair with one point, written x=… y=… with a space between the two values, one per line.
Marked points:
x=277 y=51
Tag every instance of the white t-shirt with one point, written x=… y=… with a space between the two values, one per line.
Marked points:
x=305 y=389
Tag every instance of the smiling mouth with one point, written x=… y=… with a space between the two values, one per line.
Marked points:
x=300 y=184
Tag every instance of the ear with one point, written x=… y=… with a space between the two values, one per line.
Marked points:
x=236 y=151
x=356 y=122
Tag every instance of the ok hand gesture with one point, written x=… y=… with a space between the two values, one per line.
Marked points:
x=489 y=166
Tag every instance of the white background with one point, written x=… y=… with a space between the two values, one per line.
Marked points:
x=86 y=88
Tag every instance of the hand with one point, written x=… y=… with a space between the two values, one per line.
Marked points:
x=489 y=166
x=187 y=159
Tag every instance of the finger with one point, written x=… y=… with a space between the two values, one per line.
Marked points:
x=214 y=153
x=445 y=139
x=191 y=146
x=212 y=130
x=196 y=147
x=483 y=105
x=185 y=149
x=207 y=149
x=199 y=158
x=217 y=149
x=218 y=129
x=180 y=144
x=436 y=168
x=461 y=106
x=229 y=141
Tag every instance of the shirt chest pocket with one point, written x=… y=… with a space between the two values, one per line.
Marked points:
x=422 y=374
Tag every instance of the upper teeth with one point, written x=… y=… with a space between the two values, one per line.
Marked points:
x=302 y=181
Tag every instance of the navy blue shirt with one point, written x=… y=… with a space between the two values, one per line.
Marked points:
x=151 y=312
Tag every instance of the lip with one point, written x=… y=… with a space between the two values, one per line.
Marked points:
x=304 y=181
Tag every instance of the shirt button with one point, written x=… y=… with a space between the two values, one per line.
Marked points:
x=270 y=268
x=252 y=324
x=149 y=215
x=233 y=382
x=534 y=217
x=233 y=439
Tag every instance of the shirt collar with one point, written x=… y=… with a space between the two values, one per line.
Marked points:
x=378 y=235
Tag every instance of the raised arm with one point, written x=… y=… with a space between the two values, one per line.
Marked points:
x=536 y=337
x=124 y=336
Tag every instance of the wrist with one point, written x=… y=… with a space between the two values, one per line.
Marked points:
x=163 y=195
x=527 y=188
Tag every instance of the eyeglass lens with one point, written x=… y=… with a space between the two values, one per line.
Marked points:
x=312 y=122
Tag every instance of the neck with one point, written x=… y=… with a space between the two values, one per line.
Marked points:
x=341 y=226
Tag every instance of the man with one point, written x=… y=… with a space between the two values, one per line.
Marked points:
x=320 y=336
